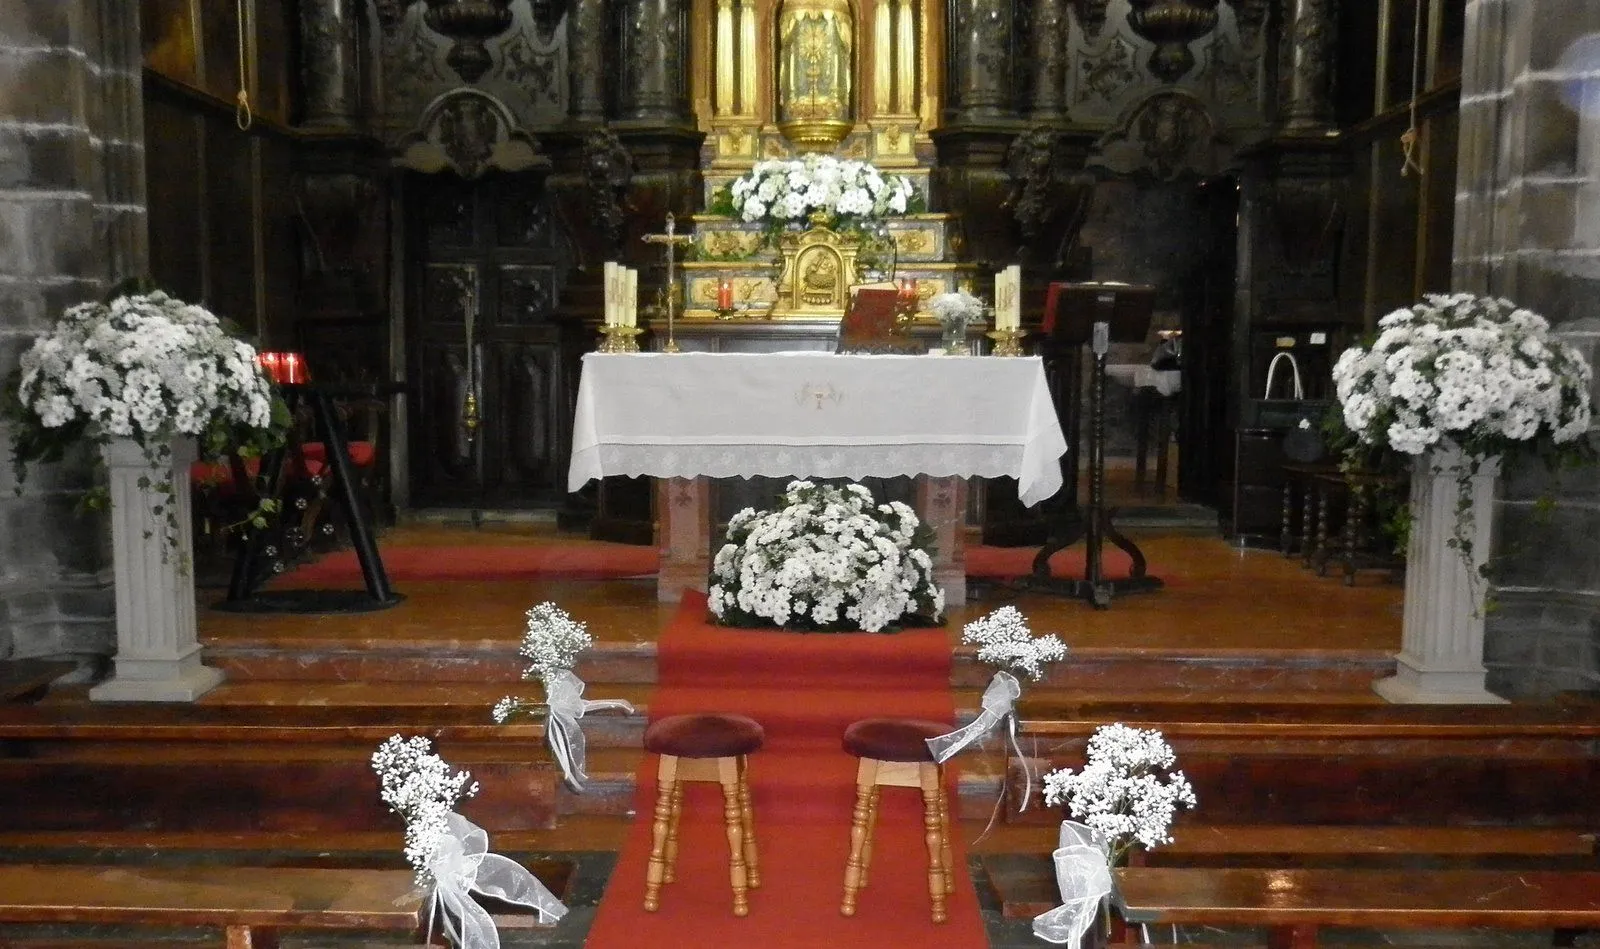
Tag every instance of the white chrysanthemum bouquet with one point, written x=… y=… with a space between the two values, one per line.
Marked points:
x=777 y=192
x=419 y=786
x=147 y=368
x=1476 y=372
x=1004 y=639
x=1127 y=791
x=552 y=643
x=829 y=559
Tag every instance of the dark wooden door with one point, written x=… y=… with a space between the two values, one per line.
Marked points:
x=490 y=405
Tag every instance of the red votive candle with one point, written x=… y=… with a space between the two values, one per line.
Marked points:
x=724 y=294
x=270 y=364
x=294 y=370
x=908 y=290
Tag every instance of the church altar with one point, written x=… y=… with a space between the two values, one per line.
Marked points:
x=686 y=418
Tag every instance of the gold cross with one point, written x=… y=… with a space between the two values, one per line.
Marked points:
x=671 y=238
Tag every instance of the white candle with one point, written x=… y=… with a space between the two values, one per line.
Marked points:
x=631 y=300
x=1013 y=317
x=611 y=308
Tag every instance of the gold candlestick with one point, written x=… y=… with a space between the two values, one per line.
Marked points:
x=619 y=338
x=1006 y=342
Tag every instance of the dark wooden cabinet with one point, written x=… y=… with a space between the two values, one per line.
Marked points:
x=1257 y=495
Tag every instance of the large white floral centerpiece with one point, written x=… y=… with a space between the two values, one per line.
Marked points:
x=829 y=559
x=850 y=193
x=145 y=368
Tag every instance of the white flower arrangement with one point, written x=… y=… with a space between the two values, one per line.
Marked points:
x=1479 y=372
x=776 y=192
x=956 y=311
x=419 y=786
x=552 y=642
x=1004 y=639
x=829 y=559
x=148 y=368
x=1127 y=791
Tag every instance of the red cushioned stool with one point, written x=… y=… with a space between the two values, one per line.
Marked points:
x=894 y=753
x=710 y=747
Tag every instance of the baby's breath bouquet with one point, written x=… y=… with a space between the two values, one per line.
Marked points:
x=1127 y=792
x=552 y=643
x=1004 y=639
x=419 y=786
x=829 y=559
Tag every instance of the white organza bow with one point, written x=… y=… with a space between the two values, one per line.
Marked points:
x=1083 y=874
x=564 y=694
x=999 y=705
x=462 y=865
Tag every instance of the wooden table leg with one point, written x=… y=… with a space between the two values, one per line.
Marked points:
x=683 y=535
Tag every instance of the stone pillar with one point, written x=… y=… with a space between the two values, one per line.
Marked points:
x=1528 y=228
x=1047 y=29
x=586 y=71
x=1441 y=655
x=72 y=221
x=330 y=64
x=654 y=58
x=158 y=652
x=942 y=505
x=979 y=79
x=1307 y=64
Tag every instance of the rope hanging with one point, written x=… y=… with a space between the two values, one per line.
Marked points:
x=1409 y=140
x=243 y=115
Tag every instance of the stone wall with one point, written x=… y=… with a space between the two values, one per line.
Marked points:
x=1528 y=228
x=72 y=222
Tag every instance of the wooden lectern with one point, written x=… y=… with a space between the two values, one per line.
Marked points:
x=1097 y=314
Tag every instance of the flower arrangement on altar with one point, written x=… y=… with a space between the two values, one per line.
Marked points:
x=147 y=368
x=852 y=193
x=956 y=312
x=830 y=559
x=419 y=786
x=552 y=643
x=1468 y=374
x=1004 y=639
x=1127 y=792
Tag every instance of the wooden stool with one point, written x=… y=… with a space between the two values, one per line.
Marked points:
x=703 y=748
x=894 y=753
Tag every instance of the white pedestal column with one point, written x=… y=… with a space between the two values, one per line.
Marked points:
x=942 y=505
x=683 y=536
x=158 y=653
x=1441 y=657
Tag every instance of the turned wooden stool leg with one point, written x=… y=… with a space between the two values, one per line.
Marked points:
x=728 y=777
x=934 y=833
x=656 y=872
x=866 y=779
x=944 y=831
x=872 y=831
x=747 y=819
x=671 y=856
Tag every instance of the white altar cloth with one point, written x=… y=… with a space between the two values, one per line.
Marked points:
x=808 y=414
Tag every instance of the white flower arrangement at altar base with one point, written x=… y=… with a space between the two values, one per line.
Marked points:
x=830 y=559
x=1126 y=792
x=552 y=644
x=147 y=368
x=1004 y=639
x=419 y=786
x=1473 y=373
x=777 y=192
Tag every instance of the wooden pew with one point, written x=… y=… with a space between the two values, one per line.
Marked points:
x=1293 y=905
x=250 y=904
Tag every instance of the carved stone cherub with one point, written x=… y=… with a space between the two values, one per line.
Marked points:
x=1048 y=203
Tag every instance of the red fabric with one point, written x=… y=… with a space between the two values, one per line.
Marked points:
x=805 y=690
x=218 y=475
x=704 y=736
x=594 y=560
x=362 y=454
x=892 y=739
x=1052 y=300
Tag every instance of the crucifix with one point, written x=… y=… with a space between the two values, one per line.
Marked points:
x=672 y=239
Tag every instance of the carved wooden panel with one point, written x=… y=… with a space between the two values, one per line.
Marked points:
x=527 y=294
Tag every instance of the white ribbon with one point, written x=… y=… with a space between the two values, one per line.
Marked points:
x=564 y=694
x=462 y=865
x=1083 y=875
x=999 y=705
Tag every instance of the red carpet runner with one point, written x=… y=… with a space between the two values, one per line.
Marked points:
x=804 y=689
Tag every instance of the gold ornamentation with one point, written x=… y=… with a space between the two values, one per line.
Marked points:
x=816 y=68
x=1006 y=342
x=620 y=339
x=913 y=242
x=816 y=268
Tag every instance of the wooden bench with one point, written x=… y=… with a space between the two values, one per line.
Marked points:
x=250 y=904
x=1293 y=905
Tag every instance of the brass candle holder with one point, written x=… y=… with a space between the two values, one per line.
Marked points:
x=1006 y=342
x=619 y=338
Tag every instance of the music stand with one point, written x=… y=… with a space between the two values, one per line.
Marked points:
x=1098 y=314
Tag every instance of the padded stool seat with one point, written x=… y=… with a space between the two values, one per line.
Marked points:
x=892 y=739
x=704 y=736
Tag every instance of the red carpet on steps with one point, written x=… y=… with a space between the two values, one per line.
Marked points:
x=593 y=560
x=804 y=689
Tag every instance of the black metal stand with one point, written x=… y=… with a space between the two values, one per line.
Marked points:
x=1071 y=524
x=247 y=574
